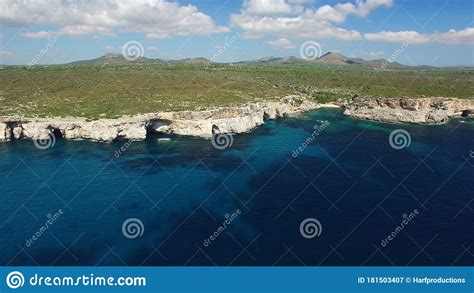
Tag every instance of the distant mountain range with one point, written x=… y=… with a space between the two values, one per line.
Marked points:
x=329 y=58
x=118 y=59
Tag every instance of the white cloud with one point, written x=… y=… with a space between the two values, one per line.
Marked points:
x=451 y=37
x=270 y=7
x=37 y=35
x=364 y=8
x=303 y=26
x=260 y=20
x=75 y=31
x=377 y=54
x=75 y=18
x=282 y=43
x=340 y=11
x=152 y=48
x=80 y=30
x=111 y=49
x=4 y=53
x=156 y=36
x=300 y=1
x=289 y=19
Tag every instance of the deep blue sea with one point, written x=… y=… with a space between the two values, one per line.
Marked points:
x=349 y=178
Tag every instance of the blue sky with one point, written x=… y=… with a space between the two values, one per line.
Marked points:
x=436 y=32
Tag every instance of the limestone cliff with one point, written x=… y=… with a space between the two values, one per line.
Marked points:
x=432 y=110
x=190 y=123
x=228 y=120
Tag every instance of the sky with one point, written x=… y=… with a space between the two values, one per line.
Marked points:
x=412 y=32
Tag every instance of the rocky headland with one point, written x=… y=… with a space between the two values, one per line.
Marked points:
x=231 y=119
x=432 y=110
x=190 y=123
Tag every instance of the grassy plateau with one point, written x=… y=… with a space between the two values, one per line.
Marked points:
x=94 y=91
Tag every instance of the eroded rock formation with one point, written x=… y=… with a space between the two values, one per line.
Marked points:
x=190 y=123
x=432 y=110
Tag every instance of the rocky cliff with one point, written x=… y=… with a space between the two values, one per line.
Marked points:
x=191 y=123
x=432 y=110
x=228 y=120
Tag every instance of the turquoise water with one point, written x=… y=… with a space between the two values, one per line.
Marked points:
x=349 y=178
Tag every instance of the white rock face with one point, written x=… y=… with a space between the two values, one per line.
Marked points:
x=35 y=131
x=423 y=111
x=98 y=130
x=4 y=132
x=17 y=131
x=189 y=123
x=227 y=120
x=133 y=131
x=274 y=110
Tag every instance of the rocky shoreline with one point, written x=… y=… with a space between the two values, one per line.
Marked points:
x=189 y=123
x=229 y=120
x=432 y=110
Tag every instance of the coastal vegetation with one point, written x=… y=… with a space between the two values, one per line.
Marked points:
x=109 y=91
